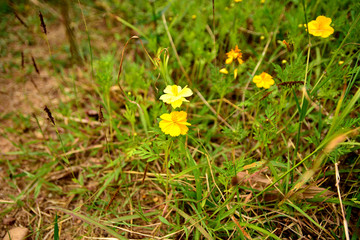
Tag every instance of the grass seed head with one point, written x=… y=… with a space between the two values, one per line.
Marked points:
x=101 y=116
x=291 y=83
x=22 y=60
x=42 y=23
x=50 y=117
x=35 y=66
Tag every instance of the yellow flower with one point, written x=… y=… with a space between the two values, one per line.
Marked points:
x=341 y=62
x=193 y=16
x=263 y=80
x=321 y=27
x=174 y=123
x=233 y=55
x=174 y=95
x=224 y=71
x=238 y=0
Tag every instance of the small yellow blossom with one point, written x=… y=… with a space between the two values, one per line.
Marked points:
x=238 y=0
x=193 y=16
x=262 y=1
x=224 y=71
x=174 y=95
x=321 y=27
x=284 y=61
x=262 y=38
x=300 y=25
x=174 y=123
x=263 y=80
x=341 y=62
x=233 y=55
x=235 y=73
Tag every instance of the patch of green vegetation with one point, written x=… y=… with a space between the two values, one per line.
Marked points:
x=273 y=158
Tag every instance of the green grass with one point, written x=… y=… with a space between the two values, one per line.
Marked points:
x=255 y=164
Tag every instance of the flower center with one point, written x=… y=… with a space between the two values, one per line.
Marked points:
x=174 y=119
x=175 y=91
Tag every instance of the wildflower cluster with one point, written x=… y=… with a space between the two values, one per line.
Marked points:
x=263 y=80
x=233 y=55
x=319 y=27
x=175 y=123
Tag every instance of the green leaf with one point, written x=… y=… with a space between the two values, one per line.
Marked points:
x=163 y=220
x=56 y=228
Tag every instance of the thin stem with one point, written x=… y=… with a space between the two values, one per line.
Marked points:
x=167 y=152
x=88 y=37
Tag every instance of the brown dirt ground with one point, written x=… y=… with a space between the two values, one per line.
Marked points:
x=25 y=92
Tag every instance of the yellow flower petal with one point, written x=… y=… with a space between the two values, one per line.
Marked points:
x=235 y=73
x=181 y=117
x=177 y=103
x=257 y=79
x=166 y=116
x=168 y=89
x=229 y=60
x=165 y=125
x=324 y=20
x=174 y=130
x=167 y=98
x=224 y=71
x=183 y=129
x=186 y=92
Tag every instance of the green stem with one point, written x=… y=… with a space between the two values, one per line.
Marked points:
x=167 y=151
x=110 y=115
x=62 y=144
x=219 y=106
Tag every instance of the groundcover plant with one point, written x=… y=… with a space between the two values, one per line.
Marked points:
x=204 y=119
